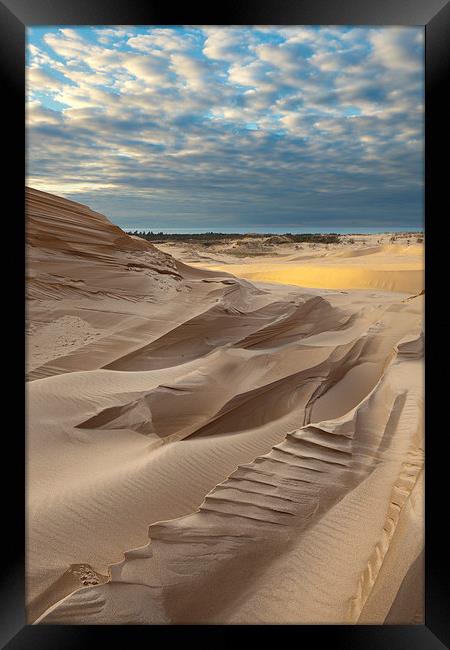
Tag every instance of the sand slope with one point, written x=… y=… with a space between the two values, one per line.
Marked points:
x=259 y=447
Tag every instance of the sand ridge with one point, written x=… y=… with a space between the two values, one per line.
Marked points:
x=257 y=445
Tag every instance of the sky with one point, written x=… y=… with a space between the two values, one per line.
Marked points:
x=230 y=127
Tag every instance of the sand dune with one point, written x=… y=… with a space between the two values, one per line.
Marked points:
x=201 y=449
x=387 y=267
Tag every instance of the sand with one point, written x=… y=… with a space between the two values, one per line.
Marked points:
x=357 y=262
x=208 y=446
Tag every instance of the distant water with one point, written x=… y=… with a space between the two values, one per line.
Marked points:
x=275 y=230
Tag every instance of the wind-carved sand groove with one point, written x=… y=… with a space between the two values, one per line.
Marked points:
x=408 y=421
x=275 y=324
x=157 y=412
x=315 y=315
x=219 y=325
x=260 y=449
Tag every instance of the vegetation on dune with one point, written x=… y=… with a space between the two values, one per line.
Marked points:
x=210 y=238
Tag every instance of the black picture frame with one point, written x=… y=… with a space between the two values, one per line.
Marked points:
x=434 y=15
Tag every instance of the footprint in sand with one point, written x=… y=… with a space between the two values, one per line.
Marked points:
x=85 y=574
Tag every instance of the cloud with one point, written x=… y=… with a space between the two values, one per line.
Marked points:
x=398 y=48
x=228 y=44
x=66 y=43
x=42 y=79
x=194 y=72
x=169 y=40
x=230 y=125
x=149 y=69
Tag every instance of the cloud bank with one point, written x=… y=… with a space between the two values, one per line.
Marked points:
x=212 y=127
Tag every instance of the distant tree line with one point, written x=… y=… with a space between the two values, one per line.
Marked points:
x=212 y=237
